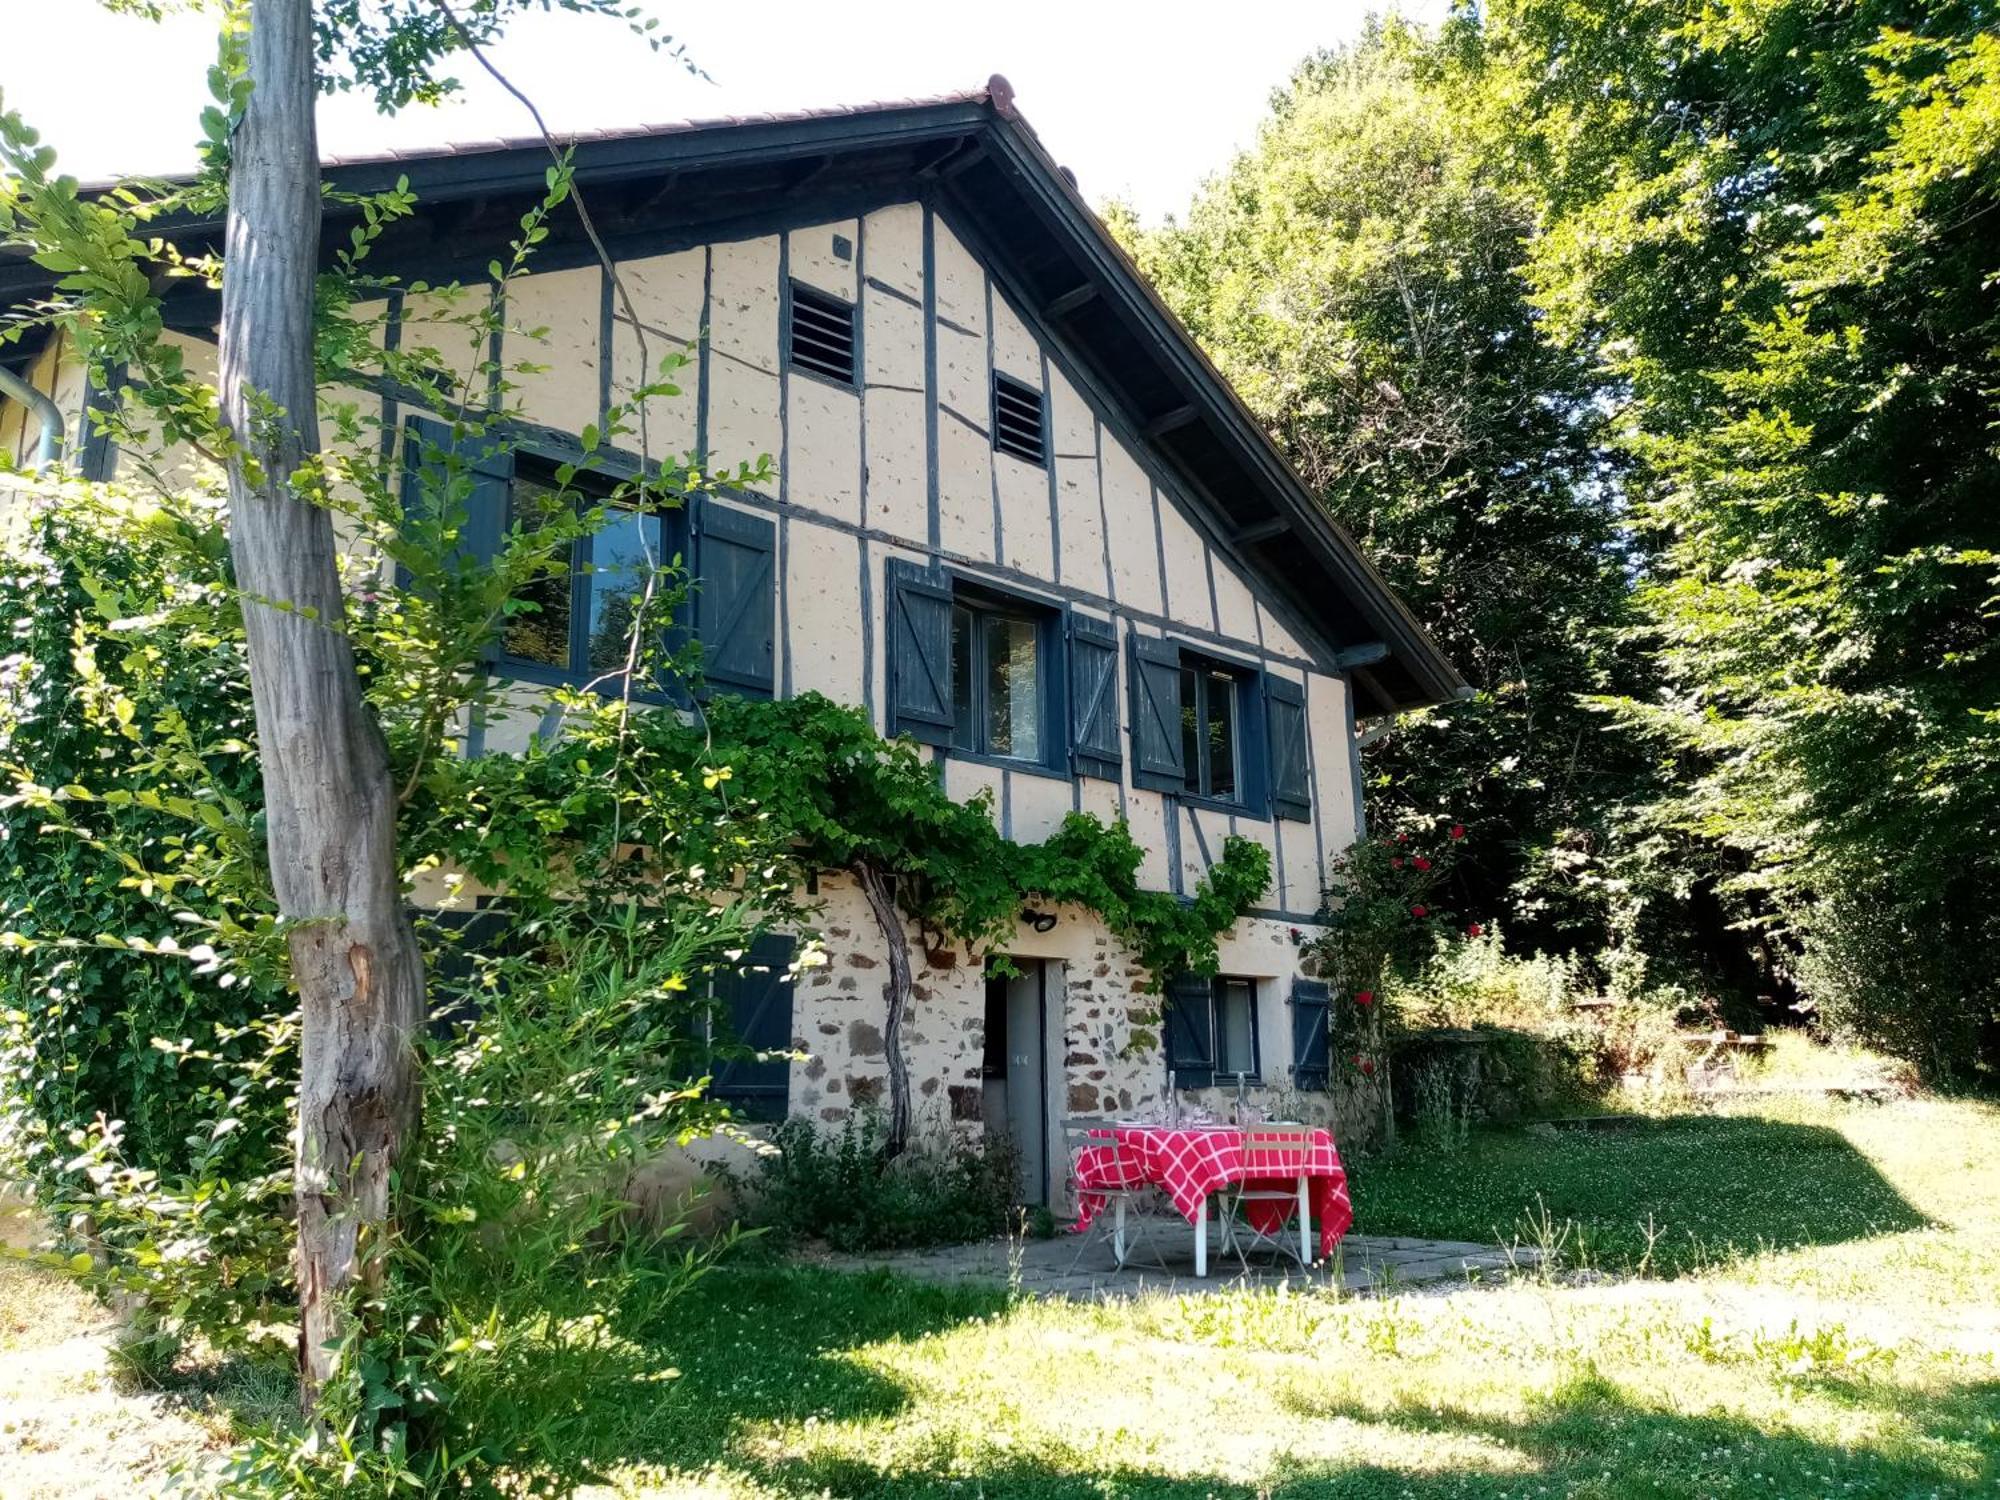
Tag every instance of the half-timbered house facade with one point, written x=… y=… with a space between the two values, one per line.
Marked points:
x=1011 y=511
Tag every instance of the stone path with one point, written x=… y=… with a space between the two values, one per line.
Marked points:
x=1050 y=1268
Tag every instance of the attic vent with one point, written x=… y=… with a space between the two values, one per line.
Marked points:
x=1017 y=419
x=821 y=336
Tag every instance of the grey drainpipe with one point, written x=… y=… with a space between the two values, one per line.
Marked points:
x=50 y=414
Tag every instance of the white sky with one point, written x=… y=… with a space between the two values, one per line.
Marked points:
x=1141 y=100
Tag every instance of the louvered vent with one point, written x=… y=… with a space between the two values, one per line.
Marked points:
x=1017 y=419
x=822 y=334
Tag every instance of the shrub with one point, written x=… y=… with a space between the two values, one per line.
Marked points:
x=839 y=1186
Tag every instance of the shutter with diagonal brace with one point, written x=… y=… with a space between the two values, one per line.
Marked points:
x=1093 y=697
x=1310 y=1011
x=1157 y=761
x=1190 y=1028
x=736 y=599
x=754 y=1013
x=919 y=653
x=1285 y=714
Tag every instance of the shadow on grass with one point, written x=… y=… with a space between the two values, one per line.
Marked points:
x=1709 y=1188
x=770 y=1398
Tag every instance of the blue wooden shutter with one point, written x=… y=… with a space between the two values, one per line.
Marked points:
x=1156 y=715
x=427 y=447
x=1190 y=1026
x=735 y=605
x=1093 y=697
x=1285 y=718
x=1310 y=1006
x=919 y=653
x=754 y=1007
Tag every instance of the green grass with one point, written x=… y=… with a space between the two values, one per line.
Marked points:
x=1707 y=1187
x=1861 y=1363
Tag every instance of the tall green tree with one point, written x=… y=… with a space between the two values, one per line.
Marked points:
x=1358 y=276
x=1773 y=226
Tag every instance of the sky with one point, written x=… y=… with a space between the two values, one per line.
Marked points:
x=1142 y=101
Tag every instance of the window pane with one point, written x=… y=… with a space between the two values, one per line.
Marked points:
x=1191 y=728
x=1235 y=1031
x=1221 y=708
x=963 y=722
x=1013 y=688
x=540 y=634
x=623 y=556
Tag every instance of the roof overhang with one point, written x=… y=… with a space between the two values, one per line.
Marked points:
x=977 y=162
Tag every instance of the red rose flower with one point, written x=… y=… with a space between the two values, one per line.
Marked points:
x=1420 y=911
x=1421 y=863
x=1473 y=930
x=1402 y=838
x=1458 y=830
x=1364 y=997
x=1367 y=1067
x=1396 y=863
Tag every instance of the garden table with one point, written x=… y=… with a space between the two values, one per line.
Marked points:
x=1189 y=1162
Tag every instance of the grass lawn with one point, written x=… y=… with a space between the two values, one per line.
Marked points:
x=1859 y=1362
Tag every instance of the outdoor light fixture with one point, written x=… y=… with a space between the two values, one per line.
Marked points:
x=1041 y=921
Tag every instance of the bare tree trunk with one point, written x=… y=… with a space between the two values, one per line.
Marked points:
x=328 y=798
x=896 y=938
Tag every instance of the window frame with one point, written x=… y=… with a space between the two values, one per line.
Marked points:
x=592 y=487
x=982 y=603
x=1206 y=668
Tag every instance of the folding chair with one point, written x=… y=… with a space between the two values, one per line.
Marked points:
x=1117 y=1178
x=1271 y=1153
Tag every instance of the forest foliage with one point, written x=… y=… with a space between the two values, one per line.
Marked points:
x=1652 y=351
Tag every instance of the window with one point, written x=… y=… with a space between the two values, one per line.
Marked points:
x=820 y=334
x=1211 y=1030
x=1235 y=1026
x=575 y=617
x=1017 y=419
x=972 y=670
x=1211 y=749
x=996 y=682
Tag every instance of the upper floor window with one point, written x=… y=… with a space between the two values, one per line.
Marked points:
x=820 y=333
x=576 y=616
x=573 y=620
x=1211 y=737
x=997 y=670
x=977 y=670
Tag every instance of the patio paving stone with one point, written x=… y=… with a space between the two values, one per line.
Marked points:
x=1362 y=1264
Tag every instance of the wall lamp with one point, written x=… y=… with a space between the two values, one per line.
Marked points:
x=1041 y=921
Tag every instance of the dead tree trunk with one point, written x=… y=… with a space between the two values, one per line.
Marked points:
x=895 y=938
x=328 y=796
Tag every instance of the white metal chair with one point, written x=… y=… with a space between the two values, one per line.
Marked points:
x=1118 y=1180
x=1272 y=1154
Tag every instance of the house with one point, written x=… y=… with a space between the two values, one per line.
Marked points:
x=1013 y=513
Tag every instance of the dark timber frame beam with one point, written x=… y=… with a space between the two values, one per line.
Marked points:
x=1071 y=300
x=1170 y=421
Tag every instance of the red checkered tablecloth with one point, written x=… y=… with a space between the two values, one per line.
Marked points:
x=1190 y=1162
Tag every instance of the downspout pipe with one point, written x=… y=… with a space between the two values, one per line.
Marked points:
x=46 y=411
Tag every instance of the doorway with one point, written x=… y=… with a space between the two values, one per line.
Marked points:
x=1016 y=1070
